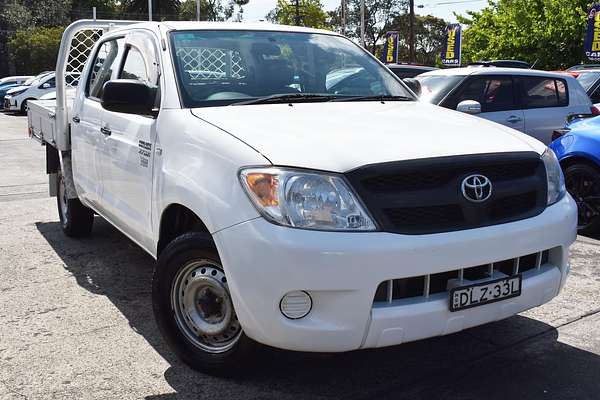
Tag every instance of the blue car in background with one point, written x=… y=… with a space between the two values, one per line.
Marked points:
x=10 y=82
x=577 y=147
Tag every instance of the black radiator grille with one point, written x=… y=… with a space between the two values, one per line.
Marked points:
x=424 y=196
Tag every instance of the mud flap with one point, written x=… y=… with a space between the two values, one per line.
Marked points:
x=67 y=174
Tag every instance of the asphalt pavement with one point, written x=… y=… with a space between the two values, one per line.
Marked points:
x=76 y=323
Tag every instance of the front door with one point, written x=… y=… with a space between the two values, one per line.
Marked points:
x=128 y=150
x=86 y=139
x=497 y=96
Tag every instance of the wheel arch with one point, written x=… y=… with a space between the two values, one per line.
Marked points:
x=579 y=159
x=175 y=220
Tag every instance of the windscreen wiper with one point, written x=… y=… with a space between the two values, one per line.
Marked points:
x=286 y=98
x=379 y=97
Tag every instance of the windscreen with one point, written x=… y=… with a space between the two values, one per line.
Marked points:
x=435 y=87
x=224 y=67
x=587 y=79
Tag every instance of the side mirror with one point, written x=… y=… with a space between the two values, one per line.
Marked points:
x=128 y=96
x=413 y=84
x=469 y=106
x=46 y=86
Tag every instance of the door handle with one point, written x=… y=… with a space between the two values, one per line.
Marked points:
x=106 y=131
x=76 y=119
x=513 y=119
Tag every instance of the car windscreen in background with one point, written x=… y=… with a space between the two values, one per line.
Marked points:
x=587 y=79
x=435 y=87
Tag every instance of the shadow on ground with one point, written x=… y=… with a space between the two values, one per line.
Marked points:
x=511 y=359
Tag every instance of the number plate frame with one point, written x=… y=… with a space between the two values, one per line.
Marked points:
x=482 y=284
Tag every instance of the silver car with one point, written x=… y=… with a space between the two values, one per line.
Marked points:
x=534 y=102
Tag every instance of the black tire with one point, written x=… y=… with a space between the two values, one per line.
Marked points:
x=24 y=106
x=76 y=220
x=583 y=183
x=185 y=250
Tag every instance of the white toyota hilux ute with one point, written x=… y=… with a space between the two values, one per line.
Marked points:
x=293 y=191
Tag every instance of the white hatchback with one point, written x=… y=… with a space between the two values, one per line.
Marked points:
x=16 y=98
x=531 y=101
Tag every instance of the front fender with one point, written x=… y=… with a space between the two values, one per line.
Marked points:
x=574 y=145
x=198 y=168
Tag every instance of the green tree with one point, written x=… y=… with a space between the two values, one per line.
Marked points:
x=212 y=10
x=310 y=11
x=429 y=37
x=23 y=14
x=549 y=32
x=105 y=9
x=379 y=15
x=35 y=49
x=161 y=9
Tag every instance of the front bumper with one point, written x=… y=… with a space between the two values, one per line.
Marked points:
x=341 y=272
x=10 y=104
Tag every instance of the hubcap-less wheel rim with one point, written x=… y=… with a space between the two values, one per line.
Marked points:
x=585 y=190
x=62 y=198
x=203 y=308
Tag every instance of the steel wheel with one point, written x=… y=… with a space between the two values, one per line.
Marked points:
x=203 y=308
x=583 y=183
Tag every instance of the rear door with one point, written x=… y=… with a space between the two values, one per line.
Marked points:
x=128 y=146
x=86 y=137
x=497 y=96
x=545 y=102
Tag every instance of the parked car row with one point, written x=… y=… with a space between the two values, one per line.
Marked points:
x=22 y=89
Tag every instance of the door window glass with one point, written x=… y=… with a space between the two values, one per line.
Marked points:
x=495 y=93
x=105 y=62
x=539 y=92
x=595 y=96
x=50 y=82
x=134 y=67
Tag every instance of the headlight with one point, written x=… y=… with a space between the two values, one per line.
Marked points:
x=308 y=200
x=554 y=175
x=16 y=93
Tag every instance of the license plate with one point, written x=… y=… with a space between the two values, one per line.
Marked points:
x=484 y=293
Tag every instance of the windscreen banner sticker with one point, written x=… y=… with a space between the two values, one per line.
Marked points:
x=592 y=36
x=452 y=42
x=145 y=148
x=390 y=48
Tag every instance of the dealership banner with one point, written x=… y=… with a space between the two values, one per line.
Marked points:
x=592 y=37
x=451 y=49
x=390 y=48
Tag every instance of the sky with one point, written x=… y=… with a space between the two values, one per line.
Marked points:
x=257 y=9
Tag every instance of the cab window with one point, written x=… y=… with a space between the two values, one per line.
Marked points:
x=105 y=62
x=134 y=66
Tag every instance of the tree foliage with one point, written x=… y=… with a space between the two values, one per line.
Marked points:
x=429 y=37
x=311 y=13
x=212 y=10
x=105 y=9
x=35 y=49
x=21 y=14
x=550 y=32
x=379 y=15
x=164 y=8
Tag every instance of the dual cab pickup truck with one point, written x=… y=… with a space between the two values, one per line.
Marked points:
x=294 y=192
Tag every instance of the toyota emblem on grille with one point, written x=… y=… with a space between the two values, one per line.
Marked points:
x=476 y=188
